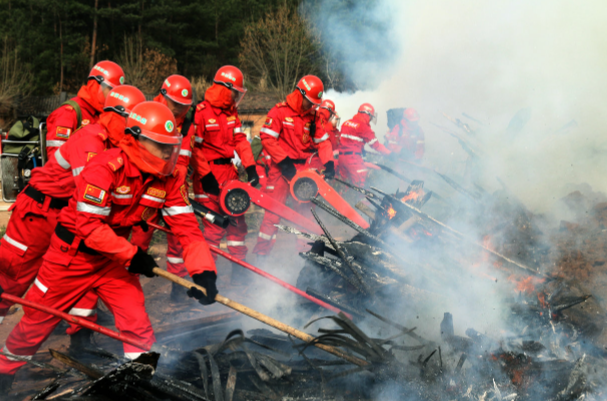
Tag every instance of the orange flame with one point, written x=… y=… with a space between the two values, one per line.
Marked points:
x=391 y=212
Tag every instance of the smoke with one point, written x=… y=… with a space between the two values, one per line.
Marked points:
x=488 y=60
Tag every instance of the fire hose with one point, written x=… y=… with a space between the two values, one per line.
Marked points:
x=266 y=275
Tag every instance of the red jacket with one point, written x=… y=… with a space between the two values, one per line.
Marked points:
x=62 y=123
x=286 y=133
x=357 y=132
x=112 y=195
x=56 y=177
x=403 y=137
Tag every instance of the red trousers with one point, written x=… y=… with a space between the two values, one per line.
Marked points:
x=279 y=189
x=235 y=234
x=64 y=278
x=175 y=264
x=351 y=168
x=26 y=240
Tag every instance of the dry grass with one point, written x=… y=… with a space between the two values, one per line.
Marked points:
x=14 y=79
x=145 y=68
x=200 y=86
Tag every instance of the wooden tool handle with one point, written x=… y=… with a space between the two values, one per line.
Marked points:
x=263 y=318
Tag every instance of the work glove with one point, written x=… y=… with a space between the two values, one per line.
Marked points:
x=143 y=263
x=210 y=184
x=252 y=175
x=287 y=168
x=207 y=280
x=329 y=170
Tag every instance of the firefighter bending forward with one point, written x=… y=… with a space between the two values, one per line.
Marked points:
x=406 y=138
x=355 y=134
x=219 y=138
x=89 y=249
x=287 y=138
x=63 y=122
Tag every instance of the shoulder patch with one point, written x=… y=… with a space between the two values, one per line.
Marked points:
x=116 y=163
x=86 y=122
x=183 y=190
x=281 y=104
x=268 y=122
x=63 y=132
x=200 y=106
x=94 y=194
x=125 y=189
x=158 y=193
x=68 y=107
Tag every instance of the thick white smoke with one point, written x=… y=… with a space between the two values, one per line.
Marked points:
x=489 y=60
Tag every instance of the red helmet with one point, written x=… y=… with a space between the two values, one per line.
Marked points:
x=328 y=105
x=311 y=88
x=122 y=99
x=107 y=73
x=410 y=114
x=231 y=77
x=366 y=108
x=177 y=88
x=153 y=124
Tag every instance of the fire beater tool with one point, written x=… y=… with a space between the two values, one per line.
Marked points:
x=307 y=184
x=210 y=215
x=264 y=274
x=264 y=319
x=236 y=197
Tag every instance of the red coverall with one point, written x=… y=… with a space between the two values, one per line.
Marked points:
x=218 y=135
x=407 y=140
x=32 y=222
x=355 y=133
x=141 y=238
x=286 y=133
x=62 y=122
x=111 y=196
x=264 y=161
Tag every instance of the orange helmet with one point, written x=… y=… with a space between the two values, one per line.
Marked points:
x=177 y=88
x=122 y=99
x=410 y=114
x=107 y=73
x=153 y=124
x=311 y=88
x=366 y=108
x=231 y=77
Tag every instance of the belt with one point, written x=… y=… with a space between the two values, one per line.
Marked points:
x=224 y=160
x=300 y=161
x=350 y=153
x=67 y=236
x=40 y=197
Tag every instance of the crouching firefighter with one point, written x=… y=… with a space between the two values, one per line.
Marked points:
x=90 y=250
x=219 y=138
x=176 y=94
x=85 y=107
x=35 y=212
x=289 y=138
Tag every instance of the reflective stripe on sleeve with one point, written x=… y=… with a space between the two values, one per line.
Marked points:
x=83 y=312
x=153 y=198
x=14 y=357
x=184 y=152
x=198 y=139
x=235 y=243
x=266 y=236
x=362 y=171
x=76 y=172
x=15 y=243
x=352 y=137
x=270 y=187
x=120 y=196
x=61 y=160
x=54 y=144
x=174 y=260
x=175 y=210
x=132 y=355
x=270 y=132
x=200 y=196
x=40 y=286
x=371 y=142
x=85 y=207
x=322 y=139
x=238 y=130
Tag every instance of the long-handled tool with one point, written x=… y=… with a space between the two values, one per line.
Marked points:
x=266 y=275
x=263 y=318
x=76 y=320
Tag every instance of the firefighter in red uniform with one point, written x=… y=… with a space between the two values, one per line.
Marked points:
x=35 y=212
x=62 y=122
x=288 y=138
x=329 y=120
x=219 y=139
x=355 y=134
x=407 y=139
x=90 y=250
x=176 y=94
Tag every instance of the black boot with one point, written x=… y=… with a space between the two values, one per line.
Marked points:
x=178 y=293
x=6 y=382
x=80 y=341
